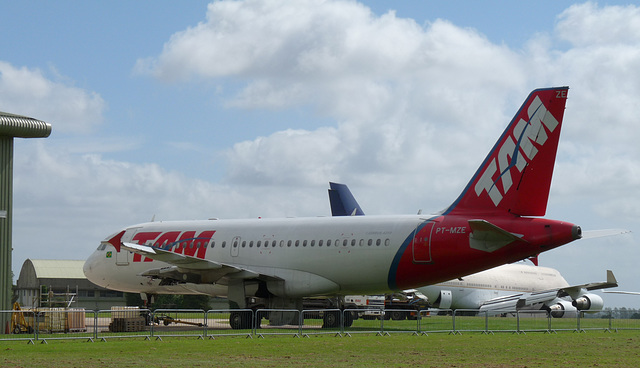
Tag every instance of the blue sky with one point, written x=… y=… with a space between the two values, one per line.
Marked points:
x=244 y=109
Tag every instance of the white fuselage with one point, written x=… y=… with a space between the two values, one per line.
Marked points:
x=469 y=292
x=317 y=256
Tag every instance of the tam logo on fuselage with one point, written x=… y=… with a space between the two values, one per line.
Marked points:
x=186 y=242
x=517 y=150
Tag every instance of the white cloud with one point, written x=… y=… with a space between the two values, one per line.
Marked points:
x=401 y=92
x=588 y=24
x=414 y=110
x=68 y=201
x=415 y=104
x=29 y=92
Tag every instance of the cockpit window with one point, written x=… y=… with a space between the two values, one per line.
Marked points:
x=102 y=246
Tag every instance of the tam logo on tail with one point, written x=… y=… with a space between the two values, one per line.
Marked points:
x=516 y=175
x=517 y=150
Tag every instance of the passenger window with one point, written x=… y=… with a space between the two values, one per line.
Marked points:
x=329 y=243
x=281 y=243
x=378 y=242
x=344 y=243
x=361 y=242
x=304 y=243
x=370 y=242
x=289 y=243
x=258 y=244
x=313 y=242
x=353 y=242
x=213 y=243
x=224 y=244
x=297 y=243
x=387 y=242
x=244 y=243
x=320 y=242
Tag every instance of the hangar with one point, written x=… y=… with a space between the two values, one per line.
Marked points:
x=61 y=283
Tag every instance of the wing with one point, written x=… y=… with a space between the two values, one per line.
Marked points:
x=540 y=299
x=574 y=291
x=622 y=292
x=518 y=301
x=187 y=268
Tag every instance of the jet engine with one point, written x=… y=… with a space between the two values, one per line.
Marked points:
x=561 y=309
x=444 y=300
x=588 y=303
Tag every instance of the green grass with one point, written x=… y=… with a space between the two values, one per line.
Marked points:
x=594 y=348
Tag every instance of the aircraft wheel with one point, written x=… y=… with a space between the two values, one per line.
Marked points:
x=331 y=320
x=397 y=315
x=348 y=319
x=240 y=320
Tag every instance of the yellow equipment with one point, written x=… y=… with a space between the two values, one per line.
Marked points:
x=18 y=322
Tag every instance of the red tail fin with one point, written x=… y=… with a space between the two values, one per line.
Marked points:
x=516 y=175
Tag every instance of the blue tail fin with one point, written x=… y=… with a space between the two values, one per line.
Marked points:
x=342 y=201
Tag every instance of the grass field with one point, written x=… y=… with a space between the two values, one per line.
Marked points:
x=591 y=349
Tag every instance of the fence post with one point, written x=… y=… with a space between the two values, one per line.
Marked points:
x=95 y=325
x=486 y=322
x=453 y=316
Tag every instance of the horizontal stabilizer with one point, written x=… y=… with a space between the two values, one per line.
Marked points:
x=488 y=237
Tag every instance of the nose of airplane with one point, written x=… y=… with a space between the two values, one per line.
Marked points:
x=92 y=267
x=87 y=268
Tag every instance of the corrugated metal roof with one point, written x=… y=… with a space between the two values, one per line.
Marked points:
x=22 y=126
x=58 y=269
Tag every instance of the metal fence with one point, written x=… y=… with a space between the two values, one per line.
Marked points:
x=52 y=324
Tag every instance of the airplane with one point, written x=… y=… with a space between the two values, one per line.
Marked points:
x=495 y=220
x=509 y=287
x=518 y=286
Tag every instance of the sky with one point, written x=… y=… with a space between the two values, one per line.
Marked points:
x=239 y=109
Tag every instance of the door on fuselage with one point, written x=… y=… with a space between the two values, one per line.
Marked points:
x=122 y=257
x=421 y=244
x=235 y=246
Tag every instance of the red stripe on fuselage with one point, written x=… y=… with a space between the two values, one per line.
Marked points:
x=188 y=244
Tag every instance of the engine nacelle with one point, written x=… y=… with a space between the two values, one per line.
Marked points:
x=445 y=299
x=562 y=309
x=589 y=303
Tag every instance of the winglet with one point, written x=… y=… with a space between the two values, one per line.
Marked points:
x=611 y=279
x=516 y=175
